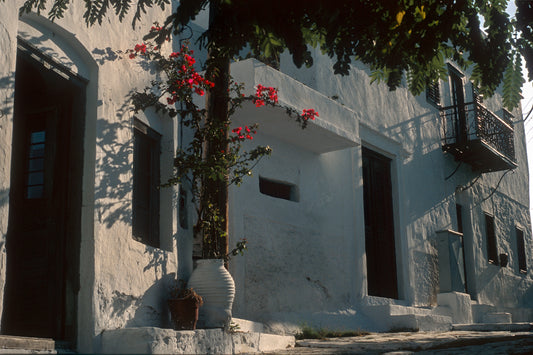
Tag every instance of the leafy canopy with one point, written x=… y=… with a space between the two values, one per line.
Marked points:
x=392 y=37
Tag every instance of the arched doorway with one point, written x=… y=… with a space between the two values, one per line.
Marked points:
x=44 y=231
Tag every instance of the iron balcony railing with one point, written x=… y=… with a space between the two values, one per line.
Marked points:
x=473 y=121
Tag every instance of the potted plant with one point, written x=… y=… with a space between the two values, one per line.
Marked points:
x=183 y=305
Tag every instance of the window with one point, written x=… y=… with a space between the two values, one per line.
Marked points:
x=433 y=93
x=458 y=99
x=521 y=249
x=492 y=248
x=459 y=213
x=35 y=165
x=146 y=164
x=278 y=189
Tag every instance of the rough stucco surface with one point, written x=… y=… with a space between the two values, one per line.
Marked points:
x=310 y=249
x=8 y=33
x=306 y=258
x=123 y=282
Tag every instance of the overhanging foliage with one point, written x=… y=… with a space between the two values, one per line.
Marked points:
x=391 y=37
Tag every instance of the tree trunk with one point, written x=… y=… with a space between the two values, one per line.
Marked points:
x=216 y=190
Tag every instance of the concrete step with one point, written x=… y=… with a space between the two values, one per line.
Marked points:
x=392 y=317
x=419 y=322
x=498 y=317
x=10 y=344
x=243 y=325
x=152 y=340
x=491 y=327
x=385 y=310
x=480 y=310
x=456 y=305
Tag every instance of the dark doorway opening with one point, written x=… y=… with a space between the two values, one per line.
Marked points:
x=379 y=225
x=44 y=231
x=458 y=98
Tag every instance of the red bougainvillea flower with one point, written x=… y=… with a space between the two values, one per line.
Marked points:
x=240 y=135
x=265 y=94
x=309 y=114
x=140 y=48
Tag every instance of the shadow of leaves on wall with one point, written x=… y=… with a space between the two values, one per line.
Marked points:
x=7 y=97
x=105 y=55
x=114 y=168
x=158 y=259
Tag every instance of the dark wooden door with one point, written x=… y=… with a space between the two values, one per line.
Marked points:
x=42 y=266
x=460 y=109
x=379 y=225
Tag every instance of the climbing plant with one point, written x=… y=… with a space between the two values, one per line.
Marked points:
x=174 y=93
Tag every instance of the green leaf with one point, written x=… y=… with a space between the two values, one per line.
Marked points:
x=512 y=83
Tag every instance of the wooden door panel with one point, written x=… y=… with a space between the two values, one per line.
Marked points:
x=379 y=225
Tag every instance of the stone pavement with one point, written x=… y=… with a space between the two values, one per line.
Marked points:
x=451 y=342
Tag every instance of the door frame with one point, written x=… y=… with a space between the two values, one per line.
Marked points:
x=69 y=281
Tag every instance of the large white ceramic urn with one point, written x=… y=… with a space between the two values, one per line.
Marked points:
x=214 y=283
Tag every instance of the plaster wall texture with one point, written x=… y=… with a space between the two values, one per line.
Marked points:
x=312 y=248
x=428 y=199
x=306 y=258
x=122 y=280
x=8 y=33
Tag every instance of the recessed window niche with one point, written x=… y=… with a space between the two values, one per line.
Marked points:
x=278 y=189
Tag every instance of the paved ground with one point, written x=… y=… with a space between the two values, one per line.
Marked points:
x=453 y=342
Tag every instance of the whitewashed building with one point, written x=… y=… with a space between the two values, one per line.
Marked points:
x=388 y=211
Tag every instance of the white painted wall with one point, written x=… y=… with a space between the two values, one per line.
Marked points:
x=312 y=251
x=8 y=31
x=123 y=282
x=305 y=259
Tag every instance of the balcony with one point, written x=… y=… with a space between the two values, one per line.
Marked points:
x=476 y=136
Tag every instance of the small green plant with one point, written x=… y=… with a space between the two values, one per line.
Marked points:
x=180 y=291
x=308 y=332
x=234 y=327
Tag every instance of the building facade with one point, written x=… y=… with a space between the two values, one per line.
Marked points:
x=389 y=211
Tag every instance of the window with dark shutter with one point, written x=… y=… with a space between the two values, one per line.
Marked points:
x=433 y=93
x=492 y=248
x=521 y=249
x=459 y=214
x=146 y=165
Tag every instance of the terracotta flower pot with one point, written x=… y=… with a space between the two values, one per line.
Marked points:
x=183 y=313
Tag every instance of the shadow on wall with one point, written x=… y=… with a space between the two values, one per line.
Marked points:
x=158 y=261
x=149 y=310
x=105 y=55
x=4 y=197
x=6 y=97
x=114 y=178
